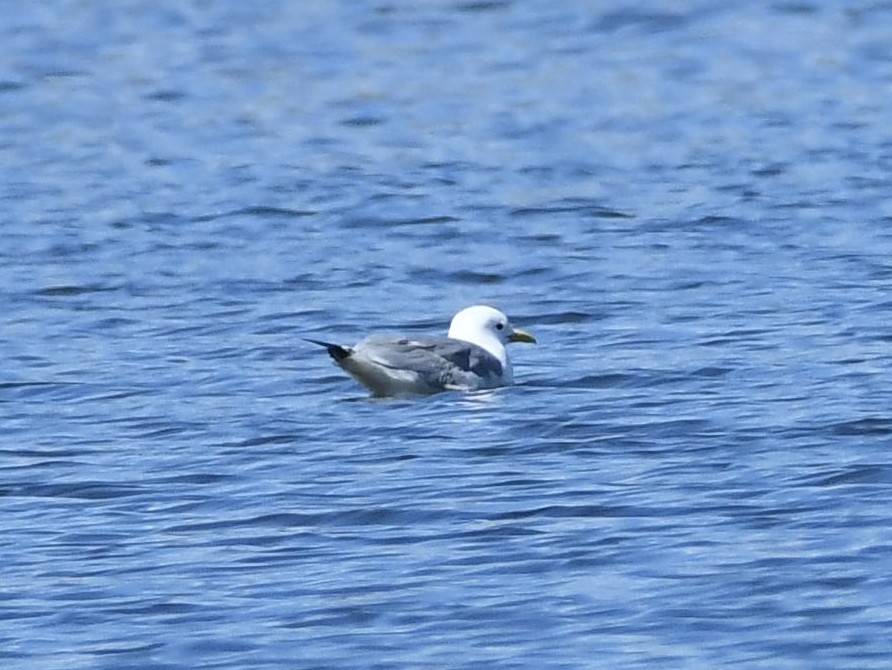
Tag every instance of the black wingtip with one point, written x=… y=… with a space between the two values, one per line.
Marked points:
x=336 y=351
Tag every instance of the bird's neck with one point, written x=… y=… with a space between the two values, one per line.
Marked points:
x=488 y=342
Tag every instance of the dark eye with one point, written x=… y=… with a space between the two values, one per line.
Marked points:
x=500 y=326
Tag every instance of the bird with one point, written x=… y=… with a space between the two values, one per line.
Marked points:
x=471 y=357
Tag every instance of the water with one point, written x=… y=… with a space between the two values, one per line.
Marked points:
x=687 y=202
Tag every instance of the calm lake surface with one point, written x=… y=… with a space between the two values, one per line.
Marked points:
x=687 y=202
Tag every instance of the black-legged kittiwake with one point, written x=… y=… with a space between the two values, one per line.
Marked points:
x=472 y=356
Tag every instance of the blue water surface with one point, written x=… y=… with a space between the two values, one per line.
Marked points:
x=688 y=202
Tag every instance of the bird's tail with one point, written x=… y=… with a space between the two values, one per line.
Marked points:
x=336 y=351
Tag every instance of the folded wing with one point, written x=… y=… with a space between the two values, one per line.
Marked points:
x=438 y=363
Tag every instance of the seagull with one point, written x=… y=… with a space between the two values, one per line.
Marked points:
x=471 y=357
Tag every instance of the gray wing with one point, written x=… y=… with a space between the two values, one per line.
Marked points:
x=439 y=361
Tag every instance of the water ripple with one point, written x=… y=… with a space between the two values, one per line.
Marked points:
x=692 y=469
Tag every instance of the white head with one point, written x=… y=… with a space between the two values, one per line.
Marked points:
x=488 y=328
